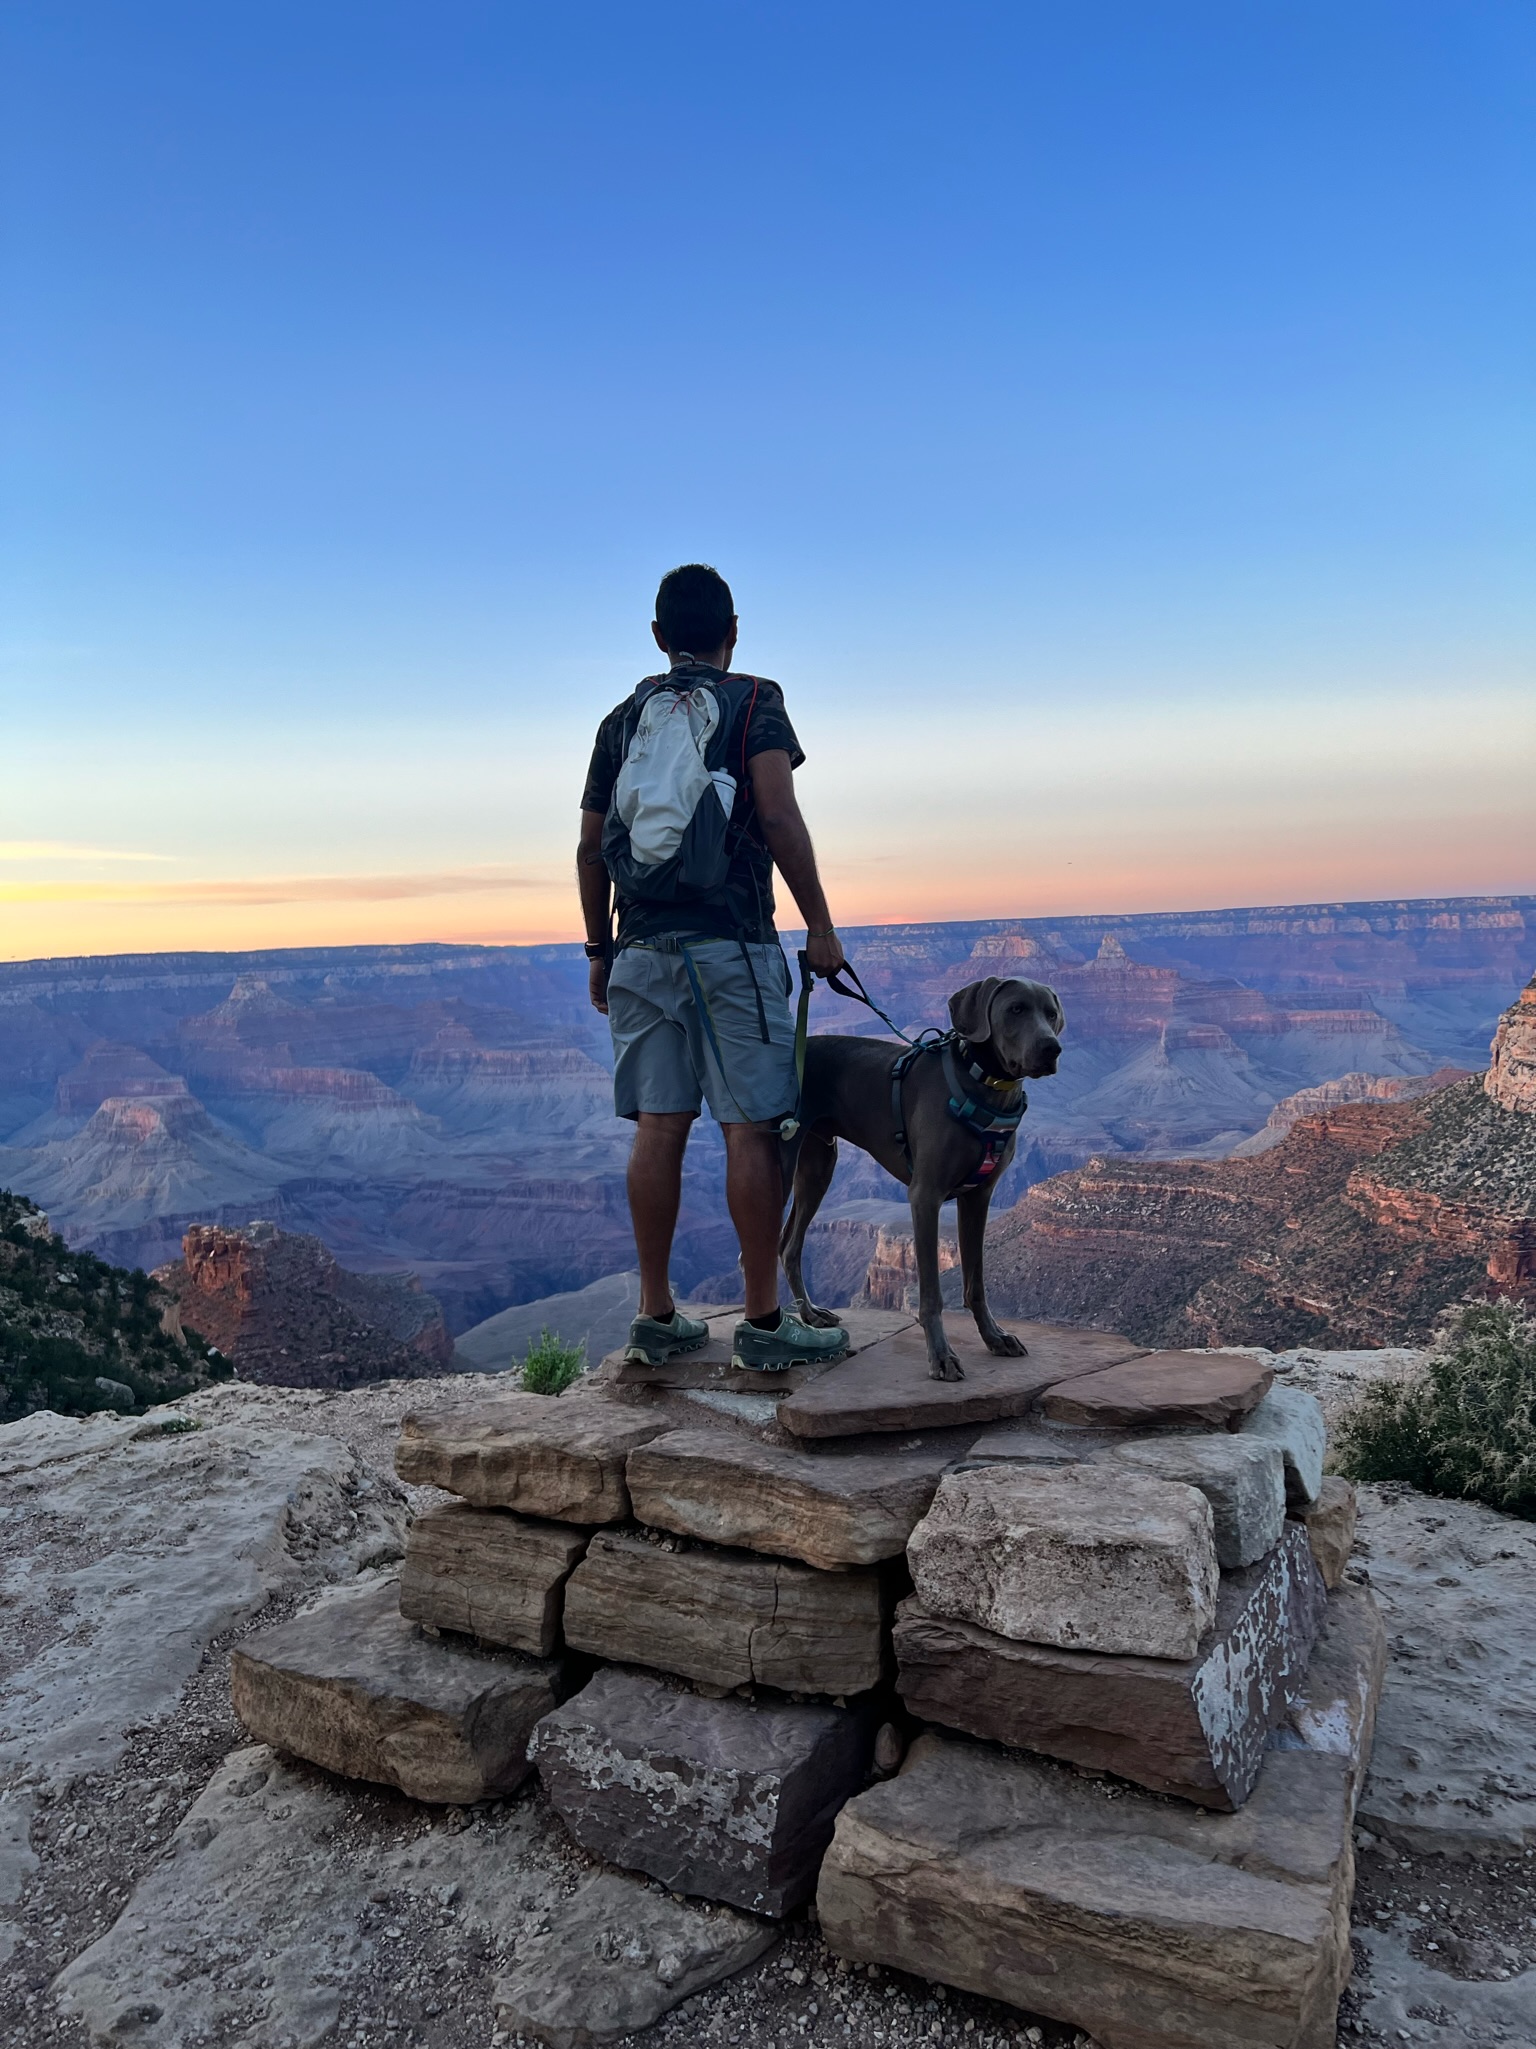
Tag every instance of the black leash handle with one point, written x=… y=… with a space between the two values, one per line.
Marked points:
x=857 y=994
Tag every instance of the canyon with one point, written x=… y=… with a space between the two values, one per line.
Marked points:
x=445 y=1111
x=1357 y=1227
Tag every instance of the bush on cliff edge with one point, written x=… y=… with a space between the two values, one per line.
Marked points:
x=552 y=1365
x=1466 y=1425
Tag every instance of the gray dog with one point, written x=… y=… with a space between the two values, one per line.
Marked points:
x=944 y=1121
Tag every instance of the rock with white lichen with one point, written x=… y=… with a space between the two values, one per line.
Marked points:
x=729 y=1799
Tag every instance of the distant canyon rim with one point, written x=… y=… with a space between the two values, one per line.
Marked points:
x=445 y=1111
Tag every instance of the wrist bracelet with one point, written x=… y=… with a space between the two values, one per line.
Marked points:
x=829 y=933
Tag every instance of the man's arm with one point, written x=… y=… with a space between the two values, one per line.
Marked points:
x=778 y=813
x=596 y=904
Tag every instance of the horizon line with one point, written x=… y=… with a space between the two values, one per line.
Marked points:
x=1508 y=899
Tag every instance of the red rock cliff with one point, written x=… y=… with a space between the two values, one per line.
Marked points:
x=282 y=1310
x=1511 y=1078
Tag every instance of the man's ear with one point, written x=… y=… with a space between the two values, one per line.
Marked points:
x=656 y=635
x=970 y=1009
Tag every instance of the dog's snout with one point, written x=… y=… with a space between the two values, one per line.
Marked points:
x=1046 y=1056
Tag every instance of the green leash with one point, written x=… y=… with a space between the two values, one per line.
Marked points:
x=857 y=994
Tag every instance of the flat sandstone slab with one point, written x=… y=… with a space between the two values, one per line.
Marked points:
x=618 y=1957
x=888 y=1387
x=560 y=1456
x=726 y=1618
x=1147 y=1923
x=1090 y=1558
x=488 y=1573
x=1215 y=1389
x=1196 y=1728
x=710 y=1366
x=826 y=1508
x=723 y=1798
x=354 y=1687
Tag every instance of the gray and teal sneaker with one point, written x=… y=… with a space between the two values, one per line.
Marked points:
x=653 y=1340
x=793 y=1344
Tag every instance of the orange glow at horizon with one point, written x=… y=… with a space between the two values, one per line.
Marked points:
x=43 y=920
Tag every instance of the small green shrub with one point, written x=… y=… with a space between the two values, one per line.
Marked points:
x=552 y=1365
x=1464 y=1426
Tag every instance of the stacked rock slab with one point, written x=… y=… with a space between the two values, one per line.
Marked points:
x=1149 y=1923
x=1119 y=1574
x=1329 y=1522
x=829 y=1511
x=1243 y=1478
x=727 y=1618
x=727 y=1798
x=561 y=1457
x=1075 y=1556
x=350 y=1685
x=1195 y=1727
x=1129 y=1584
x=1153 y=1924
x=489 y=1574
x=697 y=1556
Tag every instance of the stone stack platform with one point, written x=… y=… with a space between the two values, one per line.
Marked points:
x=1094 y=1594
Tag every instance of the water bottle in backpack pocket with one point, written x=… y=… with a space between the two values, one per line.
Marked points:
x=666 y=838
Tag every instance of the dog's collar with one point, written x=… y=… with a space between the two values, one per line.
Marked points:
x=989 y=1110
x=1002 y=1086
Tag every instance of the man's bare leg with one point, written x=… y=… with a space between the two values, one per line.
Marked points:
x=655 y=1183
x=754 y=1193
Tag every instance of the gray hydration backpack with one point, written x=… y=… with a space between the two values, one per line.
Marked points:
x=667 y=836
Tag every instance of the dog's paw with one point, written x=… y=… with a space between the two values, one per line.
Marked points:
x=819 y=1319
x=946 y=1367
x=1007 y=1346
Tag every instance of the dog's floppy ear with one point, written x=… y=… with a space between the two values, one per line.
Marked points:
x=1059 y=1019
x=970 y=1009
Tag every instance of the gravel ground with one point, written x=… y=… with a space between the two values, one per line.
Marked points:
x=99 y=1837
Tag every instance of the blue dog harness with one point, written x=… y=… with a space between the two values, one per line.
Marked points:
x=992 y=1109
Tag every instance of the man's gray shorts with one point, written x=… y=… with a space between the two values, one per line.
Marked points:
x=664 y=1049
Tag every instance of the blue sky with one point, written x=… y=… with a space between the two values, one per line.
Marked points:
x=1116 y=424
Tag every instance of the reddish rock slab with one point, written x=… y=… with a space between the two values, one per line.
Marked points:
x=1330 y=1526
x=710 y=1366
x=1147 y=1923
x=560 y=1457
x=1213 y=1389
x=728 y=1618
x=1193 y=1727
x=887 y=1386
x=825 y=1508
x=351 y=1685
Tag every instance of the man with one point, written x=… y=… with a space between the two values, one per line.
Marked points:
x=696 y=991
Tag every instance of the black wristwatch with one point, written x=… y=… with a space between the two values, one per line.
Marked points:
x=597 y=949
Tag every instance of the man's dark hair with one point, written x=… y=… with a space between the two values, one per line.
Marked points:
x=694 y=608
